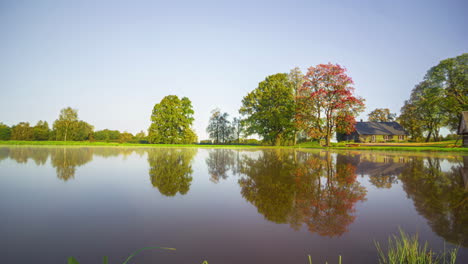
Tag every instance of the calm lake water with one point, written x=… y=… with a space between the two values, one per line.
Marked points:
x=225 y=206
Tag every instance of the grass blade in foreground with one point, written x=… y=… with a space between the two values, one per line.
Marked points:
x=406 y=249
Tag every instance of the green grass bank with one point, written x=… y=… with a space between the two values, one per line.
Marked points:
x=446 y=146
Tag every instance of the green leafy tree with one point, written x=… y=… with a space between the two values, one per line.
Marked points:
x=5 y=132
x=451 y=77
x=41 y=131
x=140 y=135
x=81 y=131
x=22 y=131
x=171 y=170
x=125 y=137
x=410 y=121
x=438 y=100
x=296 y=77
x=219 y=128
x=107 y=135
x=381 y=115
x=425 y=111
x=269 y=110
x=67 y=119
x=171 y=121
x=237 y=128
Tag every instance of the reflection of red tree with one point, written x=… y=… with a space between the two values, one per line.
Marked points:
x=327 y=207
x=303 y=188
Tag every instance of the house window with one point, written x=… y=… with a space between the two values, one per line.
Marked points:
x=401 y=137
x=373 y=138
x=388 y=137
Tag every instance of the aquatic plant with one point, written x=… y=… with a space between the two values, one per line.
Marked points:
x=407 y=249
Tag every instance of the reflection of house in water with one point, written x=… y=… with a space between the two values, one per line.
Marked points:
x=383 y=170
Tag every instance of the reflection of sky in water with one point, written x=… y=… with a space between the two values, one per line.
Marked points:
x=110 y=207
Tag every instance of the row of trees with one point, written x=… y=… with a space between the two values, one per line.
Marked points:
x=316 y=104
x=66 y=128
x=438 y=100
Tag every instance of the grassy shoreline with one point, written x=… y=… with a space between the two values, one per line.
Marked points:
x=415 y=147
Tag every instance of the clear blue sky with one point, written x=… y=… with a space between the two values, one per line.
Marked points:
x=113 y=60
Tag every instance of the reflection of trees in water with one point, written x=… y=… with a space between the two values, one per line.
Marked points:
x=269 y=184
x=4 y=153
x=23 y=154
x=219 y=162
x=171 y=170
x=314 y=189
x=441 y=197
x=65 y=160
x=112 y=152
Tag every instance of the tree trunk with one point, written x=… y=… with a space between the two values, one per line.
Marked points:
x=428 y=136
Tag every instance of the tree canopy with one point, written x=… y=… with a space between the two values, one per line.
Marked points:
x=5 y=132
x=219 y=127
x=438 y=100
x=22 y=131
x=269 y=110
x=171 y=121
x=67 y=119
x=326 y=103
x=381 y=115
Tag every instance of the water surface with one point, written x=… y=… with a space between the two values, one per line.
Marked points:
x=225 y=206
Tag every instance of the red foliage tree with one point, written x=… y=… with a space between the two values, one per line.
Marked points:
x=325 y=102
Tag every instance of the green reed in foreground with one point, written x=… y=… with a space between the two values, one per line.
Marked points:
x=407 y=249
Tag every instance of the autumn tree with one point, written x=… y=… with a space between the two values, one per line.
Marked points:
x=67 y=119
x=5 y=132
x=269 y=110
x=381 y=115
x=219 y=126
x=22 y=131
x=326 y=103
x=171 y=121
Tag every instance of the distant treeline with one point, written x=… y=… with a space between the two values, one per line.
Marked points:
x=66 y=128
